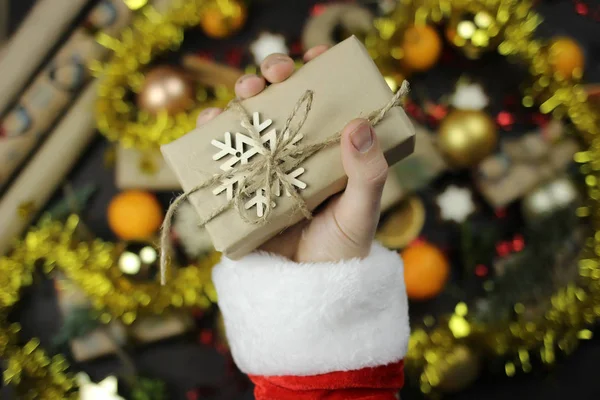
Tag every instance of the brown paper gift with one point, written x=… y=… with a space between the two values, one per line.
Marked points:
x=104 y=339
x=346 y=85
x=523 y=164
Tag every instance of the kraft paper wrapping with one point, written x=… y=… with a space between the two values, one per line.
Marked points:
x=143 y=170
x=47 y=169
x=57 y=85
x=346 y=85
x=523 y=164
x=23 y=54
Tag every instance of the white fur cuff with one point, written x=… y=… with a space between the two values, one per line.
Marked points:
x=285 y=318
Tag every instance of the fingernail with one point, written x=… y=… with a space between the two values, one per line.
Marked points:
x=274 y=60
x=362 y=137
x=243 y=78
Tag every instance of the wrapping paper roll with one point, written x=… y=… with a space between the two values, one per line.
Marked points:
x=4 y=10
x=52 y=162
x=47 y=169
x=56 y=86
x=31 y=43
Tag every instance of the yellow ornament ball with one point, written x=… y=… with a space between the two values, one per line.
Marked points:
x=426 y=271
x=134 y=215
x=223 y=18
x=466 y=137
x=421 y=47
x=566 y=57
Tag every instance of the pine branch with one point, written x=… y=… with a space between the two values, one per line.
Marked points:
x=529 y=276
x=78 y=323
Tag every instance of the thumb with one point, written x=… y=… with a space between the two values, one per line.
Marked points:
x=357 y=211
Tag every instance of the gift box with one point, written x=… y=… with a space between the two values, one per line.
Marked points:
x=135 y=169
x=524 y=163
x=103 y=340
x=345 y=84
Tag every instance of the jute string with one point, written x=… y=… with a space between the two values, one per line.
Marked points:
x=262 y=172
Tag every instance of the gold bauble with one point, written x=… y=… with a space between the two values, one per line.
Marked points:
x=474 y=34
x=466 y=137
x=223 y=18
x=168 y=89
x=458 y=369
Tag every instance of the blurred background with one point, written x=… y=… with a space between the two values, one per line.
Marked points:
x=495 y=214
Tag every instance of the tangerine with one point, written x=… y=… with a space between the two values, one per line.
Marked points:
x=566 y=57
x=134 y=214
x=421 y=47
x=426 y=271
x=223 y=19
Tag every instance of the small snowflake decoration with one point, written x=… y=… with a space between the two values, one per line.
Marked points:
x=105 y=390
x=455 y=204
x=239 y=151
x=469 y=96
x=267 y=44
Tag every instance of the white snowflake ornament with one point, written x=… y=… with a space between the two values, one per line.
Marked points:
x=104 y=390
x=469 y=96
x=242 y=149
x=455 y=204
x=245 y=148
x=293 y=179
x=260 y=201
x=267 y=44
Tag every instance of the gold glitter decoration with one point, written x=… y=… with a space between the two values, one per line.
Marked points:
x=571 y=309
x=150 y=34
x=92 y=266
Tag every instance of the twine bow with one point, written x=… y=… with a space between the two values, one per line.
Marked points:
x=272 y=166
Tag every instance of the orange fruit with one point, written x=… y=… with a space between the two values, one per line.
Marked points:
x=426 y=271
x=421 y=47
x=223 y=19
x=566 y=57
x=134 y=214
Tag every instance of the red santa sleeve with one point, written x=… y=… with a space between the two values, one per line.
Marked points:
x=317 y=331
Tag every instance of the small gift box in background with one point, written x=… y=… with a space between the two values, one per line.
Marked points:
x=421 y=167
x=136 y=169
x=346 y=85
x=103 y=341
x=524 y=163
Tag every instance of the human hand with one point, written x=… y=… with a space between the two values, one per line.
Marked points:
x=344 y=227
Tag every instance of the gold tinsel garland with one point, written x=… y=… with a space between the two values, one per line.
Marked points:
x=151 y=34
x=433 y=348
x=93 y=267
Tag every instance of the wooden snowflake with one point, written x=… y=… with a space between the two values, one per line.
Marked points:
x=241 y=149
